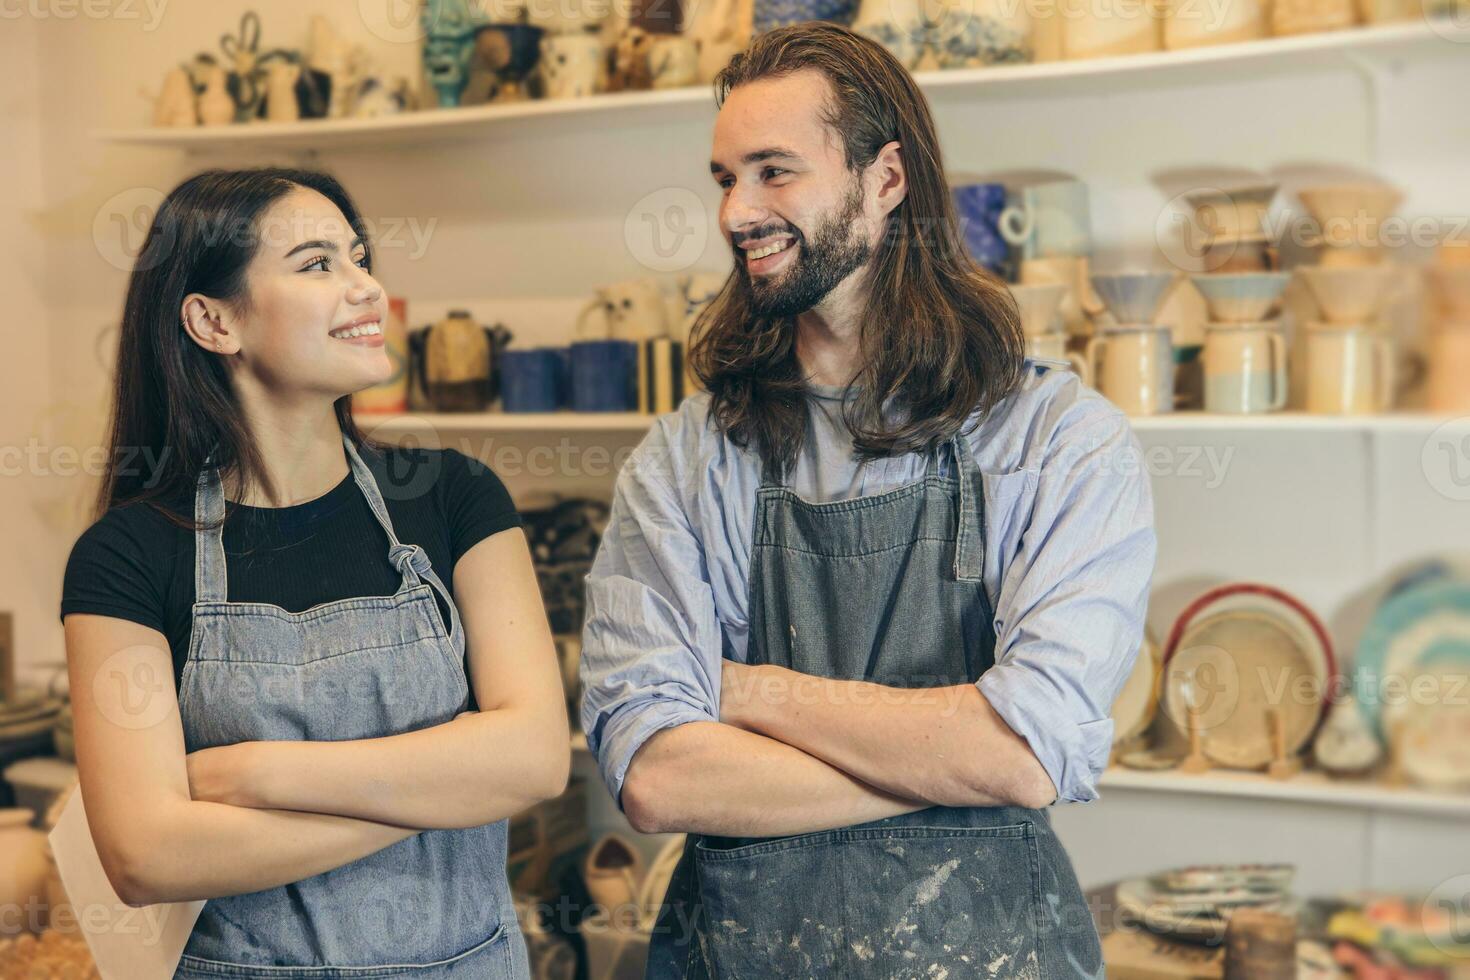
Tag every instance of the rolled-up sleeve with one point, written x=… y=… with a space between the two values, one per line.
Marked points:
x=651 y=642
x=1073 y=598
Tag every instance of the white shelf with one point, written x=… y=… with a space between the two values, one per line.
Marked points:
x=1288 y=56
x=1306 y=787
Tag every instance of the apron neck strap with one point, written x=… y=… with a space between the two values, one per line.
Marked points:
x=211 y=582
x=969 y=545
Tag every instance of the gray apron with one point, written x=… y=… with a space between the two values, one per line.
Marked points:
x=436 y=905
x=885 y=588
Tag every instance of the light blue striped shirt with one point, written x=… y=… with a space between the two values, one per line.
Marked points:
x=1069 y=553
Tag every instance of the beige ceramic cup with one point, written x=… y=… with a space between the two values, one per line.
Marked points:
x=1449 y=368
x=1053 y=347
x=1245 y=368
x=1350 y=370
x=1134 y=367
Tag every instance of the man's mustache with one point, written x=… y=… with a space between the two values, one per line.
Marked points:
x=739 y=238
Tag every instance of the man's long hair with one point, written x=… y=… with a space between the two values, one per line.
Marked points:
x=940 y=337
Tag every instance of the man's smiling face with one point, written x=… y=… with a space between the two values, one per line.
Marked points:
x=793 y=212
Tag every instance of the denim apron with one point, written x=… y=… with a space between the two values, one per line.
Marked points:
x=885 y=588
x=436 y=905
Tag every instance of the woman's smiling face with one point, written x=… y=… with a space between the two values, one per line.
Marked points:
x=313 y=323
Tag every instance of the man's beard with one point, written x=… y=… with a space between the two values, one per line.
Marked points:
x=823 y=261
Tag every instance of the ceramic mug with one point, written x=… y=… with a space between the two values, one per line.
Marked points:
x=604 y=376
x=1449 y=368
x=1049 y=219
x=1245 y=368
x=1350 y=370
x=767 y=15
x=1196 y=23
x=976 y=33
x=571 y=65
x=1053 y=347
x=1134 y=367
x=634 y=310
x=673 y=61
x=531 y=380
x=979 y=207
x=1103 y=28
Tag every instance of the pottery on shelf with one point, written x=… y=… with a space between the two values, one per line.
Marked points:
x=1349 y=295
x=1348 y=215
x=1241 y=297
x=1236 y=214
x=1133 y=297
x=1039 y=306
x=1345 y=746
x=216 y=108
x=1451 y=287
x=613 y=872
x=23 y=865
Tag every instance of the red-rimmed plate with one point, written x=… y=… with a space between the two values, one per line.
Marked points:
x=1237 y=652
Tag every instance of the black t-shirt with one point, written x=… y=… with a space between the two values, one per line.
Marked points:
x=135 y=564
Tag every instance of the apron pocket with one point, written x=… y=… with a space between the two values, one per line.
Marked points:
x=491 y=959
x=882 y=903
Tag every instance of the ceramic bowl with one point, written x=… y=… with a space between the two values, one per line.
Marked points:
x=1236 y=214
x=1345 y=212
x=1133 y=297
x=1241 y=297
x=1349 y=295
x=1039 y=305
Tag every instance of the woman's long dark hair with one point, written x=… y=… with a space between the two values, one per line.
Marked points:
x=172 y=401
x=939 y=336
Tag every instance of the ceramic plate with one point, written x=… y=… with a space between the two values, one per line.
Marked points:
x=1238 y=651
x=1137 y=702
x=1141 y=902
x=1218 y=876
x=1421 y=625
x=1434 y=739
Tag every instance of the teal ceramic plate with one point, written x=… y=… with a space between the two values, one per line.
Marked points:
x=1422 y=625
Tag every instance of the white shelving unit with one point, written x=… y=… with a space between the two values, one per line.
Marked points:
x=1307 y=787
x=1272 y=57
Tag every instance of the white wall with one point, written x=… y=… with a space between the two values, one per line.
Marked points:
x=32 y=566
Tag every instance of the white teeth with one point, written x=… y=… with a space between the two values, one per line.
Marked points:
x=760 y=253
x=365 y=330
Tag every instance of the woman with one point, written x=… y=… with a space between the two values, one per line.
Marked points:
x=348 y=737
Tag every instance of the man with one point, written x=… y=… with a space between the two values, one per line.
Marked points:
x=862 y=609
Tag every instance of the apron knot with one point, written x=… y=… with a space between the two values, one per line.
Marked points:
x=406 y=556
